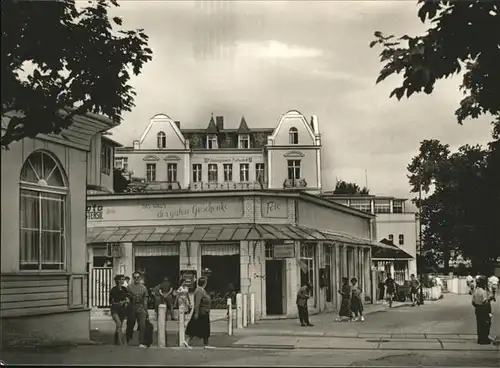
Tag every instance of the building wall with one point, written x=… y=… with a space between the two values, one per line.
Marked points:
x=278 y=165
x=293 y=120
x=396 y=224
x=322 y=217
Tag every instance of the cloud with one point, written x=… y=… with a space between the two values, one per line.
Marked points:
x=275 y=50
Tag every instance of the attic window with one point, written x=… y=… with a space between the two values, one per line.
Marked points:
x=212 y=141
x=244 y=141
x=162 y=140
x=293 y=133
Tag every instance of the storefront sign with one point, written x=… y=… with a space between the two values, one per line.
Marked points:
x=166 y=209
x=227 y=159
x=274 y=208
x=284 y=251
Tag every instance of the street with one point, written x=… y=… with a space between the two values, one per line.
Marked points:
x=440 y=333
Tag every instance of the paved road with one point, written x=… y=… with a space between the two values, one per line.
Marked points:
x=107 y=355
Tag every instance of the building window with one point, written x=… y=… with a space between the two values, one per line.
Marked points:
x=212 y=141
x=244 y=172
x=172 y=173
x=197 y=173
x=382 y=206
x=397 y=206
x=259 y=172
x=161 y=140
x=244 y=141
x=293 y=134
x=361 y=205
x=228 y=172
x=121 y=163
x=401 y=239
x=391 y=238
x=150 y=172
x=293 y=169
x=42 y=214
x=269 y=251
x=307 y=264
x=212 y=173
x=106 y=156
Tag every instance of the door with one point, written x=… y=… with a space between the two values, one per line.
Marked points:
x=274 y=287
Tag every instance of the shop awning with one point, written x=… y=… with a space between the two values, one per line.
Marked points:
x=215 y=233
x=386 y=250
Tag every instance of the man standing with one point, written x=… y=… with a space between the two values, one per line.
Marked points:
x=493 y=285
x=302 y=296
x=414 y=285
x=138 y=309
x=390 y=288
x=166 y=291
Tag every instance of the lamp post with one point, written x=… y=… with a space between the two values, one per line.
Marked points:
x=420 y=239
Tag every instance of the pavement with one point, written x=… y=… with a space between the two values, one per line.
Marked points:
x=437 y=333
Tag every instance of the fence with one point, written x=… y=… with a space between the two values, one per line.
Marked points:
x=101 y=283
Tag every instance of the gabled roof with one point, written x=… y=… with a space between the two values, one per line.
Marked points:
x=212 y=128
x=243 y=128
x=390 y=252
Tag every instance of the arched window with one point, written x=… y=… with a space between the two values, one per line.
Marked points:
x=293 y=133
x=162 y=140
x=43 y=195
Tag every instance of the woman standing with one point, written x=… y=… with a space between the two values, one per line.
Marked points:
x=119 y=300
x=199 y=324
x=345 y=307
x=356 y=302
x=183 y=297
x=482 y=305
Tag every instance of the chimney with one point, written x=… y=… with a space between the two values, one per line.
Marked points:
x=219 y=122
x=178 y=123
x=136 y=145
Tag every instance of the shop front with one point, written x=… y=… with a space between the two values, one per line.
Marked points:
x=248 y=242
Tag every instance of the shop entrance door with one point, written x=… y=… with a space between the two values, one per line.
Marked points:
x=274 y=287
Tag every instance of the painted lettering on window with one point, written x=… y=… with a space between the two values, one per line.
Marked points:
x=94 y=212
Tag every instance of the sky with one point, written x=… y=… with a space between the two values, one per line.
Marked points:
x=261 y=59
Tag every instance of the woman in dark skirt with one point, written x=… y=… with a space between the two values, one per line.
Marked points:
x=199 y=324
x=345 y=304
x=356 y=302
x=482 y=305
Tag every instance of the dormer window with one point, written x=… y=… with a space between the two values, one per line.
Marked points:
x=162 y=140
x=244 y=141
x=293 y=134
x=212 y=141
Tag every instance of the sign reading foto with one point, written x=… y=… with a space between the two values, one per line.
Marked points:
x=274 y=208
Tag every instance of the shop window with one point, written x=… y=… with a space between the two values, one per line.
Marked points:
x=220 y=263
x=42 y=214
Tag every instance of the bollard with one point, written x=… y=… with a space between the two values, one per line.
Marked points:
x=162 y=327
x=239 y=319
x=245 y=310
x=229 y=317
x=182 y=330
x=252 y=308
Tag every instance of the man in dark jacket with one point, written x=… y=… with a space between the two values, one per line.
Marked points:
x=302 y=295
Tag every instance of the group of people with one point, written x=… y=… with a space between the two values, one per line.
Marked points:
x=129 y=301
x=491 y=282
x=351 y=305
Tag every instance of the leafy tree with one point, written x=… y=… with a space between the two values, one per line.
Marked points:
x=463 y=36
x=343 y=187
x=455 y=212
x=120 y=182
x=60 y=60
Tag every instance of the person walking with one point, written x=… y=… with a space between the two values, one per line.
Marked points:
x=481 y=302
x=302 y=296
x=414 y=285
x=138 y=309
x=345 y=304
x=356 y=301
x=199 y=324
x=390 y=289
x=119 y=300
x=493 y=285
x=183 y=297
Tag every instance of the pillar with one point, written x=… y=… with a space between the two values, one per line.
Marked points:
x=337 y=265
x=345 y=270
x=367 y=272
x=127 y=259
x=245 y=267
x=355 y=261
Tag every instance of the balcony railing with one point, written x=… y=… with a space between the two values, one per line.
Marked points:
x=202 y=186
x=295 y=184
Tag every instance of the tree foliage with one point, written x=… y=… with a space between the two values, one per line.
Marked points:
x=459 y=211
x=463 y=37
x=56 y=55
x=343 y=187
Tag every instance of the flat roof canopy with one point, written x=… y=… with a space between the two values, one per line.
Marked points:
x=215 y=233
